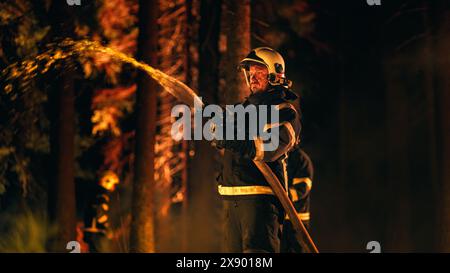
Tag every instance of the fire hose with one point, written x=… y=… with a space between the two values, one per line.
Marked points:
x=190 y=98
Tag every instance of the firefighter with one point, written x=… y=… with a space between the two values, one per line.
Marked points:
x=300 y=173
x=253 y=213
x=96 y=216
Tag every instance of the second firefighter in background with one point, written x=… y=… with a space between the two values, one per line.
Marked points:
x=97 y=232
x=254 y=215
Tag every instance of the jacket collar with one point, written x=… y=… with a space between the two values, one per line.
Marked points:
x=272 y=94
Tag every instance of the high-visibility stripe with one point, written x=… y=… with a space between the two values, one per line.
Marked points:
x=306 y=180
x=244 y=190
x=288 y=125
x=259 y=144
x=285 y=172
x=271 y=125
x=304 y=216
x=291 y=130
x=293 y=139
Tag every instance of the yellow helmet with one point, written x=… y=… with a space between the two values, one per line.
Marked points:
x=271 y=59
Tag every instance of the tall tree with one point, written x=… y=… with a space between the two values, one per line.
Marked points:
x=170 y=165
x=142 y=237
x=61 y=196
x=237 y=33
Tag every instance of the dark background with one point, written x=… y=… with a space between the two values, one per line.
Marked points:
x=374 y=86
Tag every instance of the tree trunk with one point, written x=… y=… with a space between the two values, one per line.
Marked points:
x=204 y=205
x=237 y=32
x=61 y=192
x=142 y=223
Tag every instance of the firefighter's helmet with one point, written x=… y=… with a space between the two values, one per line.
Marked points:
x=109 y=180
x=269 y=58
